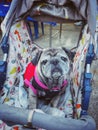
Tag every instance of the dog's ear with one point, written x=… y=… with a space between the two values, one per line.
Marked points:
x=36 y=53
x=69 y=53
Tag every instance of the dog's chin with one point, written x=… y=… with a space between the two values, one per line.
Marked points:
x=55 y=82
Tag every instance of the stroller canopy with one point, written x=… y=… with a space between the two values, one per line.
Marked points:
x=64 y=9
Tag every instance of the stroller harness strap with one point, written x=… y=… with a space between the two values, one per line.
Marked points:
x=37 y=84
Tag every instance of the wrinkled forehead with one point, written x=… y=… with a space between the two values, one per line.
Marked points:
x=49 y=53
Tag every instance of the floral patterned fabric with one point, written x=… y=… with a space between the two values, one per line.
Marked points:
x=20 y=54
x=78 y=68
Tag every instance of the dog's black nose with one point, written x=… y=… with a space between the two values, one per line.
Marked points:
x=54 y=62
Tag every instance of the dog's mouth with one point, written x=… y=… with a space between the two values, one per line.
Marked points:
x=55 y=82
x=56 y=73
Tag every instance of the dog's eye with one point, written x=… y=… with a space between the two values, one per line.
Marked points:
x=44 y=62
x=64 y=59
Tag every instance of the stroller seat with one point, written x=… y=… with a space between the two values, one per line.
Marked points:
x=22 y=50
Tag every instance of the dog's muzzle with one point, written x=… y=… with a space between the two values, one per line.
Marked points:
x=56 y=73
x=56 y=78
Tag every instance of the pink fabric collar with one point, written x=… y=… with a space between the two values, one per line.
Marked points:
x=41 y=84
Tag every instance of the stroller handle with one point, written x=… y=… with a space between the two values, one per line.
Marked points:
x=42 y=120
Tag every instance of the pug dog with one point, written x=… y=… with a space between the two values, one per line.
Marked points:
x=53 y=67
x=51 y=79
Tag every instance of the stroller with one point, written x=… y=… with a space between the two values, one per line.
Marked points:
x=16 y=39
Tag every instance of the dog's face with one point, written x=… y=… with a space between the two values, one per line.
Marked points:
x=53 y=67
